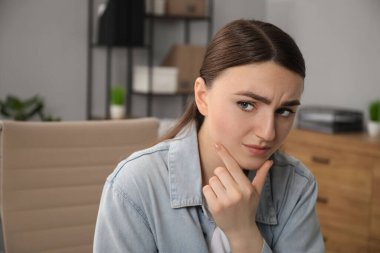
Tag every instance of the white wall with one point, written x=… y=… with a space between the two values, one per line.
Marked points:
x=340 y=40
x=43 y=51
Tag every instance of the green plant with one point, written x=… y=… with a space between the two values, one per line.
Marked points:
x=117 y=95
x=22 y=110
x=374 y=111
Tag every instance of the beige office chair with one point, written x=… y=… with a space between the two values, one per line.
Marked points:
x=52 y=175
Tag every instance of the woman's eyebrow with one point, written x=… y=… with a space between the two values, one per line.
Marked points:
x=266 y=100
x=295 y=102
x=254 y=96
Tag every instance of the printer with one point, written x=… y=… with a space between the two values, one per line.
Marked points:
x=329 y=119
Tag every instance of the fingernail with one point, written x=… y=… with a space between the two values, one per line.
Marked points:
x=217 y=146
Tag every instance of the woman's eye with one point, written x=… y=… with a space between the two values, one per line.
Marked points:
x=246 y=106
x=284 y=112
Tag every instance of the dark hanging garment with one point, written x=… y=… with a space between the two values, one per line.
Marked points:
x=122 y=23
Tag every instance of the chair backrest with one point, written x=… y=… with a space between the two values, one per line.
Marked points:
x=52 y=175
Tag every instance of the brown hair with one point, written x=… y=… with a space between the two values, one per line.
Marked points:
x=238 y=43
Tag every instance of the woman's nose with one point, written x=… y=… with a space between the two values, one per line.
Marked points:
x=265 y=127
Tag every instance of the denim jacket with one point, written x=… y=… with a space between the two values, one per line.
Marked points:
x=152 y=202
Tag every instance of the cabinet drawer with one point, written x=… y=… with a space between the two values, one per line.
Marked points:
x=375 y=220
x=344 y=194
x=346 y=174
x=340 y=242
x=374 y=246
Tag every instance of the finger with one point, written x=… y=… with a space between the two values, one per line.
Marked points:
x=225 y=178
x=208 y=193
x=217 y=187
x=261 y=175
x=211 y=199
x=232 y=166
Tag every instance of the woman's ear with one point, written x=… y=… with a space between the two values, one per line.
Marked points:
x=200 y=95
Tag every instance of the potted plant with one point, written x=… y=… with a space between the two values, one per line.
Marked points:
x=374 y=119
x=117 y=107
x=22 y=110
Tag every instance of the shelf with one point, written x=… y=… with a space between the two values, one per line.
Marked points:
x=150 y=20
x=178 y=93
x=178 y=17
x=95 y=45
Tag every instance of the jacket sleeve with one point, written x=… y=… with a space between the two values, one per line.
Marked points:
x=121 y=226
x=301 y=232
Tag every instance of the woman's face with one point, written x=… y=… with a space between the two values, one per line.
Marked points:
x=250 y=109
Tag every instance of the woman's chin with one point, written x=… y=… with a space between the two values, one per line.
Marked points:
x=253 y=165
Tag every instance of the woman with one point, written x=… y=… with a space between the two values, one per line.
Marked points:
x=217 y=182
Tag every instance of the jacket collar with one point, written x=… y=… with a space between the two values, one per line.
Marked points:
x=185 y=178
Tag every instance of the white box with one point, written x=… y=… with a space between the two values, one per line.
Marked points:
x=164 y=79
x=156 y=7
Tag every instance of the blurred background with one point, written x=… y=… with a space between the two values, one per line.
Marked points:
x=44 y=49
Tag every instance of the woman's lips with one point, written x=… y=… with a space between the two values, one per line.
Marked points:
x=257 y=150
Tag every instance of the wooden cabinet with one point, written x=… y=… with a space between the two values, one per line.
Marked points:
x=347 y=170
x=374 y=243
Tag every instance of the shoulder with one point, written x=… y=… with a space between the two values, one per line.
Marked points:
x=291 y=180
x=291 y=167
x=141 y=169
x=138 y=181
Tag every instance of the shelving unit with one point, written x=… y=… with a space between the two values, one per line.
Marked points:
x=151 y=21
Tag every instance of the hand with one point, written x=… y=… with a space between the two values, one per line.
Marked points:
x=232 y=199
